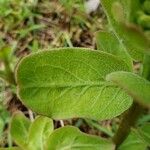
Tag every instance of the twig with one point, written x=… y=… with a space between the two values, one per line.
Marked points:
x=31 y=115
x=61 y=123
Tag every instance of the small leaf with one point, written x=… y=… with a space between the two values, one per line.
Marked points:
x=146 y=67
x=130 y=9
x=145 y=132
x=39 y=131
x=71 y=138
x=130 y=35
x=143 y=119
x=146 y=6
x=137 y=139
x=133 y=38
x=107 y=41
x=6 y=53
x=23 y=32
x=144 y=20
x=70 y=82
x=19 y=129
x=118 y=12
x=30 y=136
x=134 y=85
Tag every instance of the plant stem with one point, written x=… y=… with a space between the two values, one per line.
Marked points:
x=98 y=127
x=128 y=121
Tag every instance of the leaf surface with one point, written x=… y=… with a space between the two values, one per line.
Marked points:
x=19 y=129
x=134 y=85
x=71 y=138
x=129 y=34
x=108 y=42
x=144 y=131
x=31 y=135
x=39 y=131
x=138 y=139
x=70 y=82
x=146 y=67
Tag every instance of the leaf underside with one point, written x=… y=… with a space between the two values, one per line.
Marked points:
x=70 y=82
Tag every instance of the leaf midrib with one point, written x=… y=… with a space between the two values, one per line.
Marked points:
x=55 y=86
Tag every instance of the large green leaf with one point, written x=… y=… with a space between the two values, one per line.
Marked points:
x=39 y=131
x=19 y=129
x=130 y=35
x=134 y=85
x=70 y=82
x=71 y=138
x=108 y=42
x=138 y=139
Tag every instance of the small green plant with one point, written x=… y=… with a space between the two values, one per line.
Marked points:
x=83 y=83
x=40 y=135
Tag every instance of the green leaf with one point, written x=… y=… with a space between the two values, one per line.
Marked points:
x=107 y=41
x=23 y=32
x=70 y=82
x=71 y=138
x=134 y=85
x=6 y=53
x=130 y=9
x=146 y=6
x=118 y=12
x=137 y=139
x=133 y=38
x=144 y=131
x=19 y=129
x=146 y=67
x=30 y=136
x=130 y=35
x=143 y=119
x=44 y=126
x=144 y=20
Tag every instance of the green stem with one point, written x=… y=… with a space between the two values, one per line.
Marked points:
x=98 y=127
x=128 y=121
